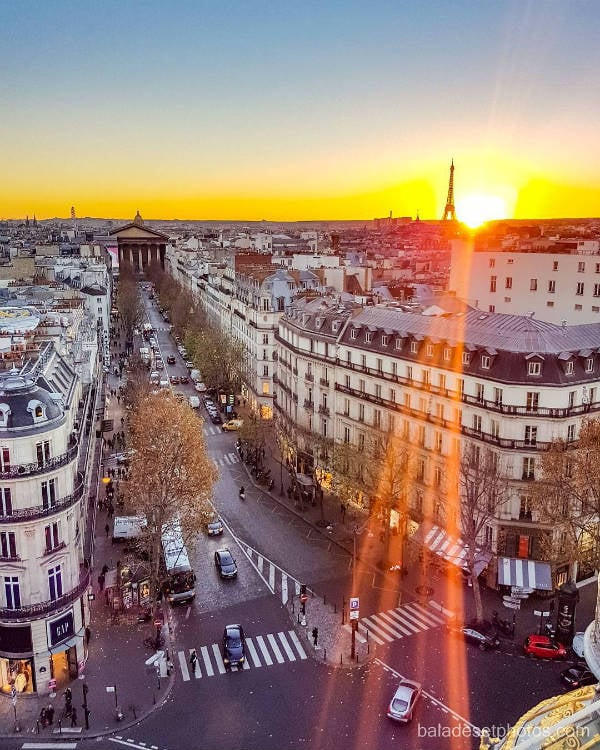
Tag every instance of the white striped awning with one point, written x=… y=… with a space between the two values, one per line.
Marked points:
x=453 y=550
x=532 y=574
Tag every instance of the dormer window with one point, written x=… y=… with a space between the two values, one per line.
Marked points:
x=414 y=347
x=368 y=337
x=37 y=411
x=335 y=326
x=534 y=368
x=4 y=415
x=398 y=343
x=589 y=364
x=466 y=358
x=447 y=354
x=569 y=368
x=384 y=341
x=429 y=350
x=485 y=362
x=353 y=333
x=318 y=322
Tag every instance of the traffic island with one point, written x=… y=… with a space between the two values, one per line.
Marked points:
x=332 y=642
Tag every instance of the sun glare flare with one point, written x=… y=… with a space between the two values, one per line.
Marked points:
x=477 y=208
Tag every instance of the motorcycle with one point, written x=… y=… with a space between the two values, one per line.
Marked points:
x=271 y=484
x=242 y=493
x=505 y=626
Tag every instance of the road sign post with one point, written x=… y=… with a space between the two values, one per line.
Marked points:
x=354 y=614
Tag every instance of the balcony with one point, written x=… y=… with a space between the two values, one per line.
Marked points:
x=309 y=404
x=37 y=467
x=295 y=370
x=324 y=382
x=57 y=548
x=40 y=609
x=310 y=377
x=324 y=410
x=31 y=514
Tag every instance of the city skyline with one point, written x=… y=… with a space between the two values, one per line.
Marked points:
x=300 y=113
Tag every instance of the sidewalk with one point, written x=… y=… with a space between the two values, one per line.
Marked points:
x=116 y=655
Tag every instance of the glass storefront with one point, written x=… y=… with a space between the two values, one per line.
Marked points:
x=17 y=673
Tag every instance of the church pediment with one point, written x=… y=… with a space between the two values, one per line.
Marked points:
x=136 y=232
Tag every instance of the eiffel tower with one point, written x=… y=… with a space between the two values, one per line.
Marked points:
x=449 y=211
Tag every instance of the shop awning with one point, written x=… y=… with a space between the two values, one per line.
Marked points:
x=532 y=574
x=451 y=549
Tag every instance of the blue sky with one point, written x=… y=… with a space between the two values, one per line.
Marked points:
x=315 y=101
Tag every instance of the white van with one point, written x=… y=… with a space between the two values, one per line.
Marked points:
x=194 y=402
x=164 y=382
x=195 y=376
x=154 y=378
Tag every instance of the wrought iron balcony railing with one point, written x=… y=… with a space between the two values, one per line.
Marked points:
x=39 y=609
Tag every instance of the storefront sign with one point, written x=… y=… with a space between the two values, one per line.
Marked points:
x=61 y=629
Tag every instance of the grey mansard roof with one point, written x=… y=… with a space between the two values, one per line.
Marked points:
x=515 y=333
x=21 y=394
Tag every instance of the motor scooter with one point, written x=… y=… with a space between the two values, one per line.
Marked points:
x=242 y=493
x=505 y=626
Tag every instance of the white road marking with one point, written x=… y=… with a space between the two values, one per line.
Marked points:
x=272 y=577
x=297 y=644
x=49 y=746
x=253 y=654
x=381 y=619
x=263 y=648
x=432 y=698
x=218 y=659
x=183 y=664
x=374 y=626
x=406 y=625
x=424 y=613
x=275 y=647
x=284 y=588
x=286 y=646
x=209 y=670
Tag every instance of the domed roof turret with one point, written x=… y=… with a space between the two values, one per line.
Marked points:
x=138 y=220
x=24 y=403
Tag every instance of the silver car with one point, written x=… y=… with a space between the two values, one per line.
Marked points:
x=403 y=703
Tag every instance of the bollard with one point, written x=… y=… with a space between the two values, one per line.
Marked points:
x=335 y=608
x=298 y=618
x=324 y=599
x=340 y=658
x=154 y=698
x=59 y=726
x=37 y=726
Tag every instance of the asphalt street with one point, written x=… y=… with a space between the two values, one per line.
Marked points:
x=287 y=697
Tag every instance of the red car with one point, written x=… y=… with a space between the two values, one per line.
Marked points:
x=544 y=647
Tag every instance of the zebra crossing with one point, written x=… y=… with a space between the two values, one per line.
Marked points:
x=229 y=459
x=401 y=622
x=278 y=580
x=261 y=651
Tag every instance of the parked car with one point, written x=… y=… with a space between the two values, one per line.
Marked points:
x=544 y=647
x=225 y=563
x=405 y=699
x=200 y=387
x=171 y=359
x=481 y=634
x=216 y=418
x=159 y=364
x=234 y=646
x=189 y=365
x=215 y=527
x=233 y=424
x=184 y=380
x=174 y=379
x=577 y=676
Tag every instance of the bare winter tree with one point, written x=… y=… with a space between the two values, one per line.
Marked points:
x=129 y=304
x=567 y=497
x=483 y=491
x=171 y=476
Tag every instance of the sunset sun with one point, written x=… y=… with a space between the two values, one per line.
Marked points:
x=477 y=208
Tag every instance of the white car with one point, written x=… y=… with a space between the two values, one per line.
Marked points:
x=200 y=387
x=405 y=699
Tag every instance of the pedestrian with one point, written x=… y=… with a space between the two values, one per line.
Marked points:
x=111 y=510
x=193 y=660
x=50 y=714
x=107 y=529
x=44 y=717
x=104 y=570
x=74 y=717
x=342 y=510
x=315 y=636
x=88 y=634
x=101 y=581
